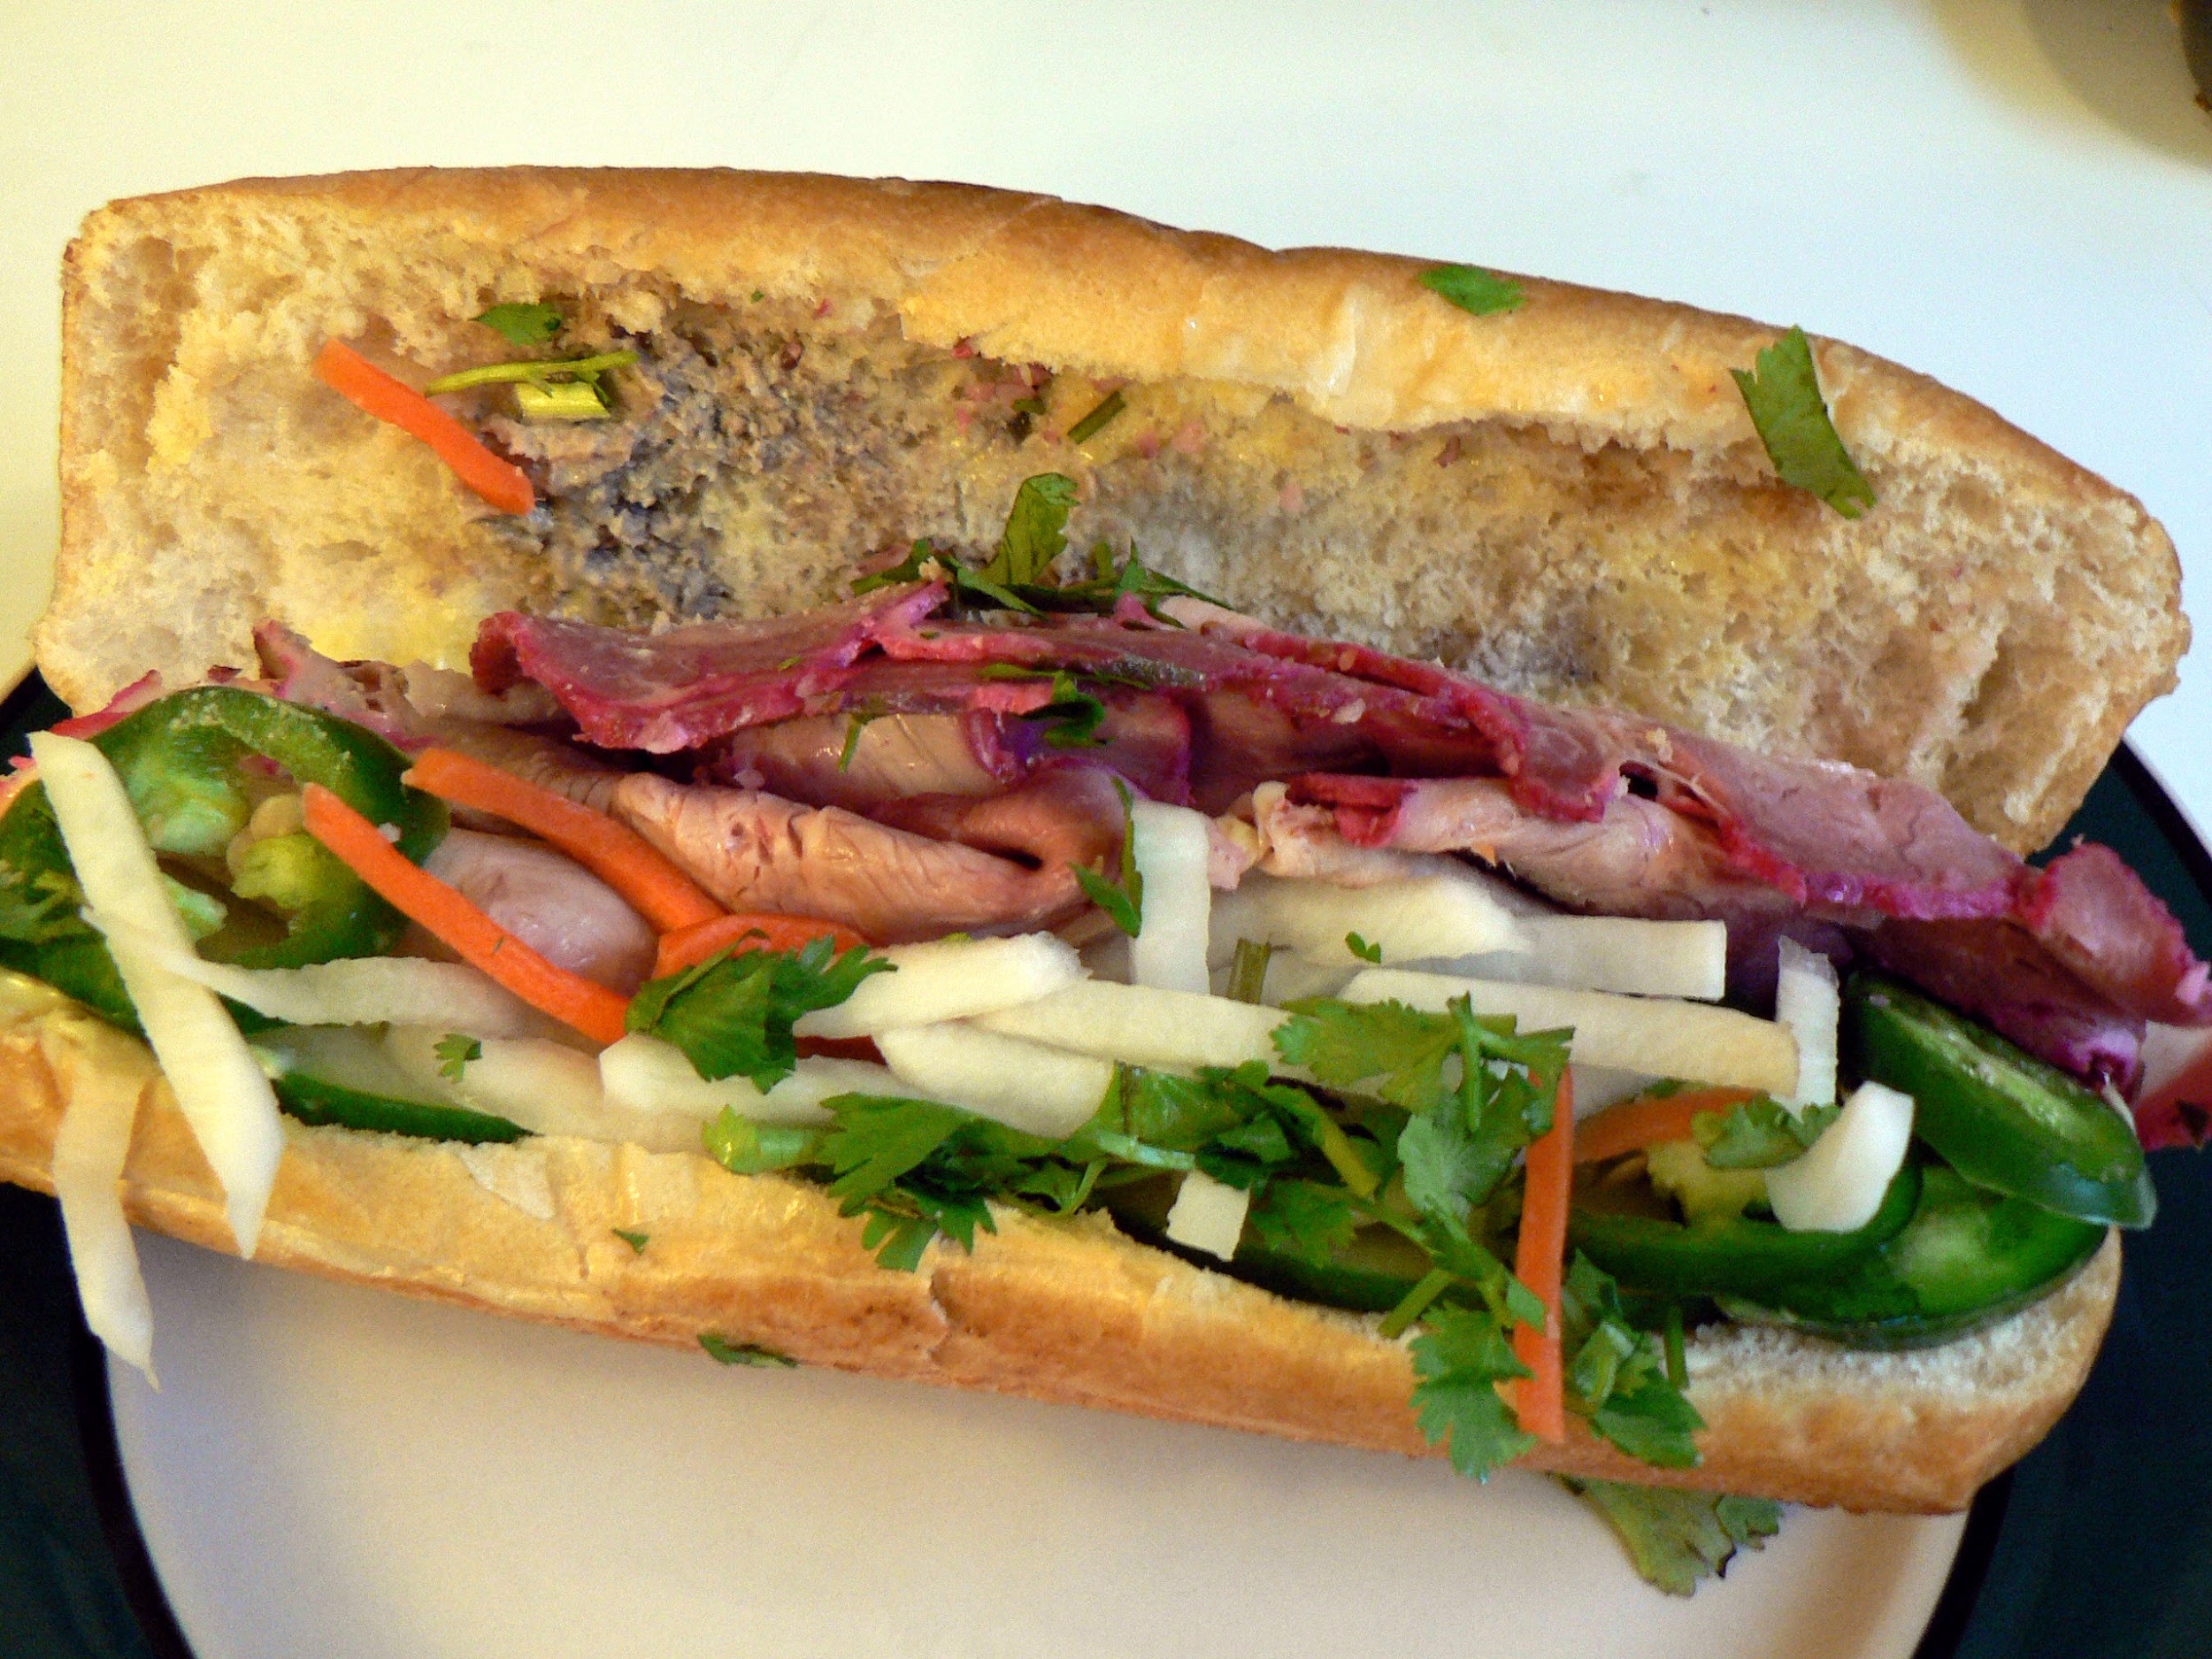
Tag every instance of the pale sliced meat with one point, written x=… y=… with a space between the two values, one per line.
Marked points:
x=550 y=902
x=757 y=852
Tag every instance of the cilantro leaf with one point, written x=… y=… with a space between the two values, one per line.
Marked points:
x=1448 y=1168
x=876 y=1139
x=1122 y=903
x=1361 y=948
x=1034 y=532
x=1070 y=719
x=1783 y=393
x=1616 y=1375
x=732 y=1013
x=745 y=1146
x=744 y=1353
x=919 y=1169
x=1094 y=423
x=1676 y=1538
x=454 y=1052
x=1760 y=1134
x=637 y=1241
x=1164 y=1109
x=1389 y=1049
x=523 y=323
x=1480 y=292
x=54 y=913
x=923 y=562
x=857 y=721
x=1459 y=1359
x=1304 y=1219
x=1651 y=1422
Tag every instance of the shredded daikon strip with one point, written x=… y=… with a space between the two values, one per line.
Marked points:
x=1423 y=917
x=1838 y=1185
x=1612 y=953
x=1172 y=850
x=103 y=1076
x=1049 y=1093
x=1208 y=1214
x=952 y=979
x=352 y=991
x=218 y=1083
x=1807 y=999
x=1138 y=1025
x=642 y=1074
x=1661 y=1037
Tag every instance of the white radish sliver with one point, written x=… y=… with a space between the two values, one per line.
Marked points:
x=1208 y=1214
x=1140 y=1025
x=218 y=1082
x=642 y=1074
x=352 y=991
x=1426 y=917
x=1661 y=1037
x=103 y=1076
x=1612 y=953
x=1173 y=850
x=1045 y=1092
x=548 y=1088
x=949 y=979
x=1838 y=1185
x=1808 y=1001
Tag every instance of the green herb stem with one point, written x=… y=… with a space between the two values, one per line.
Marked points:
x=536 y=370
x=1416 y=1301
x=1095 y=422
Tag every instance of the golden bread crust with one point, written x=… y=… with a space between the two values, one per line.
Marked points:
x=1064 y=1311
x=1615 y=534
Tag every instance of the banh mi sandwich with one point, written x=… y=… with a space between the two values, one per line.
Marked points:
x=966 y=788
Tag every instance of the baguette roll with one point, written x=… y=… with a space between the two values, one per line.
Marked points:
x=1567 y=499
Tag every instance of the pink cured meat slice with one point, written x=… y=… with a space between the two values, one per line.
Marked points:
x=669 y=692
x=1710 y=829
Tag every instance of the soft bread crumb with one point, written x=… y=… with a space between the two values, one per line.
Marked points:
x=1567 y=499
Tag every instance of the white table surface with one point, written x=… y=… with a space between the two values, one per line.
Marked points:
x=2013 y=195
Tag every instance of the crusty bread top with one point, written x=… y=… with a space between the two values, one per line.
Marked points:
x=1568 y=498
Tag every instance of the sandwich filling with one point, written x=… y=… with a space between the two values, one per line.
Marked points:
x=1538 y=1037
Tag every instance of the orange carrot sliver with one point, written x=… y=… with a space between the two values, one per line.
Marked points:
x=1649 y=1119
x=689 y=947
x=480 y=941
x=1539 y=1262
x=353 y=376
x=611 y=850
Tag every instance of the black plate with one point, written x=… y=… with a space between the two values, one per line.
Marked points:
x=2099 y=1544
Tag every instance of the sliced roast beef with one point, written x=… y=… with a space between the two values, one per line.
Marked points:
x=2094 y=914
x=667 y=692
x=1600 y=810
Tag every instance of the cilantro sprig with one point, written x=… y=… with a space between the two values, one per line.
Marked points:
x=1677 y=1539
x=455 y=1052
x=1782 y=393
x=732 y=1015
x=1760 y=1134
x=1123 y=902
x=1403 y=1120
x=1071 y=717
x=1480 y=292
x=1018 y=574
x=524 y=323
